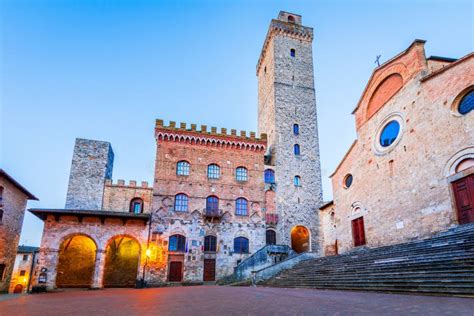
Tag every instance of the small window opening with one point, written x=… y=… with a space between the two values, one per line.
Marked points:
x=292 y=52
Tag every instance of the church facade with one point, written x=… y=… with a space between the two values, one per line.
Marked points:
x=218 y=196
x=410 y=173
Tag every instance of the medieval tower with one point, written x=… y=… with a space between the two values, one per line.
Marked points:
x=287 y=114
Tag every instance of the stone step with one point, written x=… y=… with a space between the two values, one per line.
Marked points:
x=404 y=260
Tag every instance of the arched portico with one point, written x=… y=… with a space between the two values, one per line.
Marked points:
x=122 y=257
x=76 y=262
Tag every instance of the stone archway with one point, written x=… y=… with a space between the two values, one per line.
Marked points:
x=76 y=262
x=18 y=289
x=121 y=262
x=300 y=239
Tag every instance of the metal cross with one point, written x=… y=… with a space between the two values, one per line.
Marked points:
x=377 y=60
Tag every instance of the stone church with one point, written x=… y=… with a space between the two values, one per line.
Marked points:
x=410 y=172
x=222 y=199
x=218 y=196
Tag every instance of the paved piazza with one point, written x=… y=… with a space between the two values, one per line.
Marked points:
x=214 y=300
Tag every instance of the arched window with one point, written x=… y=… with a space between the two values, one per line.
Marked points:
x=181 y=202
x=269 y=176
x=297 y=181
x=182 y=168
x=1 y=219
x=241 y=174
x=213 y=171
x=241 y=245
x=270 y=237
x=136 y=206
x=296 y=129
x=296 y=149
x=177 y=243
x=212 y=204
x=291 y=19
x=210 y=243
x=467 y=103
x=389 y=133
x=292 y=52
x=241 y=207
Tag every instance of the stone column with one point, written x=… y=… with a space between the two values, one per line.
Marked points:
x=98 y=277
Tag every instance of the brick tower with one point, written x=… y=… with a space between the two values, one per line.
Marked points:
x=287 y=114
x=91 y=165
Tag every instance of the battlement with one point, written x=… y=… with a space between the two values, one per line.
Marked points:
x=287 y=24
x=131 y=184
x=183 y=127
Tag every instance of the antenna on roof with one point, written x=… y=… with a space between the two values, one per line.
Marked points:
x=377 y=60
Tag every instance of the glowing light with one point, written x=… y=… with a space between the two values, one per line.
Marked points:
x=148 y=253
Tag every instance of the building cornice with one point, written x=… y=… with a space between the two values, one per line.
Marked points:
x=193 y=136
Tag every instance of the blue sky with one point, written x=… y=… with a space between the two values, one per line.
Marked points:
x=107 y=69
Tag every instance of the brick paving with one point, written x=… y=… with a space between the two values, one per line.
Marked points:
x=214 y=300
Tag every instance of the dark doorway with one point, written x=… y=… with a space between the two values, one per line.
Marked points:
x=270 y=237
x=209 y=269
x=18 y=289
x=464 y=196
x=175 y=273
x=358 y=233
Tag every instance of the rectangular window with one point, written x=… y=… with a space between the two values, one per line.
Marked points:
x=25 y=257
x=241 y=174
x=22 y=273
x=213 y=171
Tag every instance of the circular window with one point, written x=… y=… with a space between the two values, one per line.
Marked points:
x=348 y=181
x=389 y=133
x=467 y=103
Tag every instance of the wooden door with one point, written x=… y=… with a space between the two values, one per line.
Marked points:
x=358 y=233
x=175 y=273
x=464 y=196
x=209 y=269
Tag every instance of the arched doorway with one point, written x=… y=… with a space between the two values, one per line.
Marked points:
x=300 y=239
x=76 y=262
x=121 y=262
x=18 y=289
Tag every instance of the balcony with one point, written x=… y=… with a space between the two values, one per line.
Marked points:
x=212 y=214
x=271 y=218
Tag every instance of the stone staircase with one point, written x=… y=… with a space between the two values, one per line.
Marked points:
x=443 y=265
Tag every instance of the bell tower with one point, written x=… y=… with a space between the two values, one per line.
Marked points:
x=287 y=114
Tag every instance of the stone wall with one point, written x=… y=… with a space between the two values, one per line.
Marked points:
x=117 y=196
x=201 y=148
x=287 y=97
x=57 y=233
x=404 y=192
x=13 y=204
x=92 y=164
x=21 y=265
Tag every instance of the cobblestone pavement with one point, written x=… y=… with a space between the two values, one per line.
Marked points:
x=214 y=300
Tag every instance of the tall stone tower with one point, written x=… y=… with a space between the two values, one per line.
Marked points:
x=92 y=164
x=287 y=114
